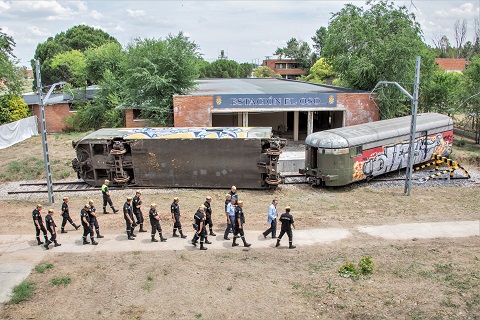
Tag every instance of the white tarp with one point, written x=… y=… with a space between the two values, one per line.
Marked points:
x=17 y=131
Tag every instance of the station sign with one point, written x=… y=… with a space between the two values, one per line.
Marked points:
x=294 y=100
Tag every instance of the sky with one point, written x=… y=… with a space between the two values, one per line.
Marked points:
x=247 y=31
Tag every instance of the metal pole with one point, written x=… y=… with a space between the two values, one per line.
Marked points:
x=44 y=134
x=413 y=129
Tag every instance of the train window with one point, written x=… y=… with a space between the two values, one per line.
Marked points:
x=356 y=151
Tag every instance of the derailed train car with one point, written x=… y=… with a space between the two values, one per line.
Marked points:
x=180 y=157
x=341 y=156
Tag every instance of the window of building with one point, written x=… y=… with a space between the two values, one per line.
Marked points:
x=292 y=65
x=280 y=66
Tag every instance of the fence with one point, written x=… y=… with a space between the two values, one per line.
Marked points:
x=14 y=132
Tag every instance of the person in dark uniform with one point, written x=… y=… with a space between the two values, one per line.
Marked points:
x=200 y=227
x=175 y=210
x=137 y=209
x=128 y=215
x=66 y=216
x=287 y=223
x=87 y=228
x=233 y=194
x=107 y=198
x=51 y=228
x=208 y=215
x=239 y=223
x=155 y=223
x=38 y=222
x=93 y=219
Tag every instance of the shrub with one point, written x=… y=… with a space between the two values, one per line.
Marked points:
x=22 y=292
x=12 y=108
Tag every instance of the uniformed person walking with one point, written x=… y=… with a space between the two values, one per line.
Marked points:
x=129 y=220
x=175 y=210
x=107 y=198
x=230 y=213
x=66 y=216
x=137 y=209
x=200 y=227
x=208 y=215
x=39 y=226
x=50 y=223
x=93 y=219
x=87 y=229
x=239 y=223
x=272 y=220
x=287 y=223
x=155 y=223
x=233 y=194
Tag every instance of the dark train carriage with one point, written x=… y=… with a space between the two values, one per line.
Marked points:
x=341 y=156
x=180 y=157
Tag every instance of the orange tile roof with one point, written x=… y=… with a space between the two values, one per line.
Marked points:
x=451 y=64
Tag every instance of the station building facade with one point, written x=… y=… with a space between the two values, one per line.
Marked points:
x=294 y=107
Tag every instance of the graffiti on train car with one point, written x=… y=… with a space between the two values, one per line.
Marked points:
x=195 y=133
x=377 y=161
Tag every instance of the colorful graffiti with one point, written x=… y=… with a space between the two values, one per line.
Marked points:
x=377 y=161
x=198 y=133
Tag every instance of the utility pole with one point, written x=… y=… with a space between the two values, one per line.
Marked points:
x=413 y=129
x=41 y=105
x=413 y=125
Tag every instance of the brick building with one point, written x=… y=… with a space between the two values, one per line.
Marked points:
x=286 y=68
x=451 y=65
x=284 y=105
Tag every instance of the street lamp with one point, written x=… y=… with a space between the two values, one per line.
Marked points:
x=41 y=103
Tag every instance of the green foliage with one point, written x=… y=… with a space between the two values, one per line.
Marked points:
x=264 y=72
x=108 y=57
x=41 y=268
x=298 y=50
x=365 y=266
x=11 y=78
x=321 y=72
x=12 y=108
x=79 y=38
x=224 y=68
x=443 y=93
x=58 y=281
x=71 y=67
x=155 y=70
x=22 y=292
x=245 y=69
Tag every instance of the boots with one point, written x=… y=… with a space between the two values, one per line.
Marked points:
x=162 y=238
x=153 y=239
x=181 y=234
x=63 y=231
x=141 y=228
x=175 y=235
x=105 y=210
x=46 y=246
x=206 y=241
x=38 y=241
x=129 y=236
x=211 y=233
x=278 y=243
x=234 y=243
x=85 y=241
x=75 y=226
x=291 y=246
x=114 y=210
x=99 y=236
x=57 y=244
x=245 y=244
x=195 y=239
x=93 y=241
x=202 y=247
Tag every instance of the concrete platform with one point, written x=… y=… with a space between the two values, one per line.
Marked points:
x=291 y=161
x=20 y=253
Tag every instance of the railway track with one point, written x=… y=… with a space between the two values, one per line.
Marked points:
x=41 y=187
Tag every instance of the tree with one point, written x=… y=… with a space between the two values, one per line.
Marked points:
x=71 y=67
x=223 y=68
x=321 y=72
x=155 y=70
x=460 y=29
x=245 y=69
x=264 y=72
x=79 y=38
x=109 y=56
x=471 y=96
x=12 y=108
x=299 y=51
x=11 y=79
x=443 y=92
x=381 y=43
x=319 y=40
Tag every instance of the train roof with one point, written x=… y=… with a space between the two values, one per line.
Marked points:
x=181 y=133
x=373 y=131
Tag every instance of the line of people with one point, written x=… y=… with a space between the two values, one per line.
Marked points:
x=133 y=216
